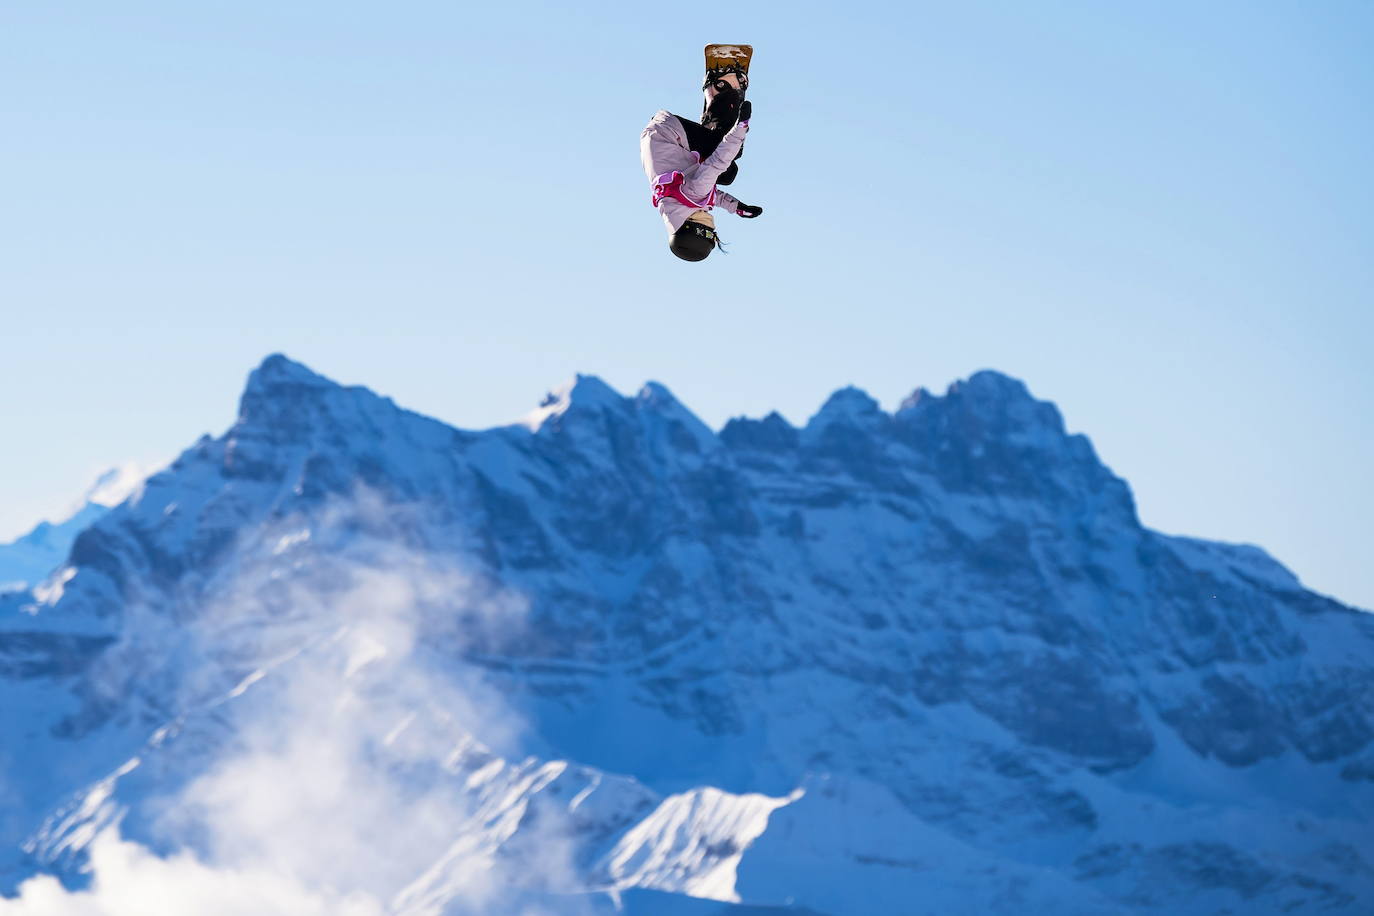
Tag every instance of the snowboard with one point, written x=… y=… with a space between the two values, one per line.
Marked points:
x=722 y=59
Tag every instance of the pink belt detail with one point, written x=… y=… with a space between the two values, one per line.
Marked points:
x=669 y=184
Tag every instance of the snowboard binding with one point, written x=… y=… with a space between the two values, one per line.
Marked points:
x=719 y=79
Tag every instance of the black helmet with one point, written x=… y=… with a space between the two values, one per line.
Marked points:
x=693 y=242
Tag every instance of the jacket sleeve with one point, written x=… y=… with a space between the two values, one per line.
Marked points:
x=700 y=182
x=727 y=201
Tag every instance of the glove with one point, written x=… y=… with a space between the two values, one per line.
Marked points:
x=722 y=112
x=746 y=109
x=748 y=212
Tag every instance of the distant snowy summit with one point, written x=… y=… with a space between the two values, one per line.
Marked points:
x=29 y=559
x=883 y=662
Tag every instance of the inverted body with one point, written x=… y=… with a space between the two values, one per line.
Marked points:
x=664 y=147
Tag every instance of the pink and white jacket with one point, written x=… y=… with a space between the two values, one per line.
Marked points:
x=663 y=148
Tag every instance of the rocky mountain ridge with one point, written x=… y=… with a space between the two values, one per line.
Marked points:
x=928 y=656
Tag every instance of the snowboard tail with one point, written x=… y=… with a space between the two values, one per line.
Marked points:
x=727 y=58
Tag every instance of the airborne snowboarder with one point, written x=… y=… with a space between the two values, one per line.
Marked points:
x=686 y=160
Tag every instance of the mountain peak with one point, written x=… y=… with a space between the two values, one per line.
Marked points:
x=277 y=370
x=287 y=405
x=989 y=403
x=277 y=389
x=849 y=405
x=990 y=382
x=582 y=392
x=914 y=398
x=771 y=434
x=656 y=394
x=655 y=400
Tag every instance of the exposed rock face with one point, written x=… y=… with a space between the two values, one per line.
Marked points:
x=945 y=626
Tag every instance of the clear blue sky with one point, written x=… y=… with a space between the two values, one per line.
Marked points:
x=1160 y=216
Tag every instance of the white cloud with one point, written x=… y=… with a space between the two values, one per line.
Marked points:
x=128 y=880
x=321 y=768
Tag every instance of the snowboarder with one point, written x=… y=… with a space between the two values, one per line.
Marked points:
x=686 y=160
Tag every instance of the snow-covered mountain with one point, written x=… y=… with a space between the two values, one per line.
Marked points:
x=347 y=658
x=28 y=560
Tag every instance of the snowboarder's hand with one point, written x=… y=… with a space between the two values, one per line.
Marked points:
x=748 y=212
x=746 y=109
